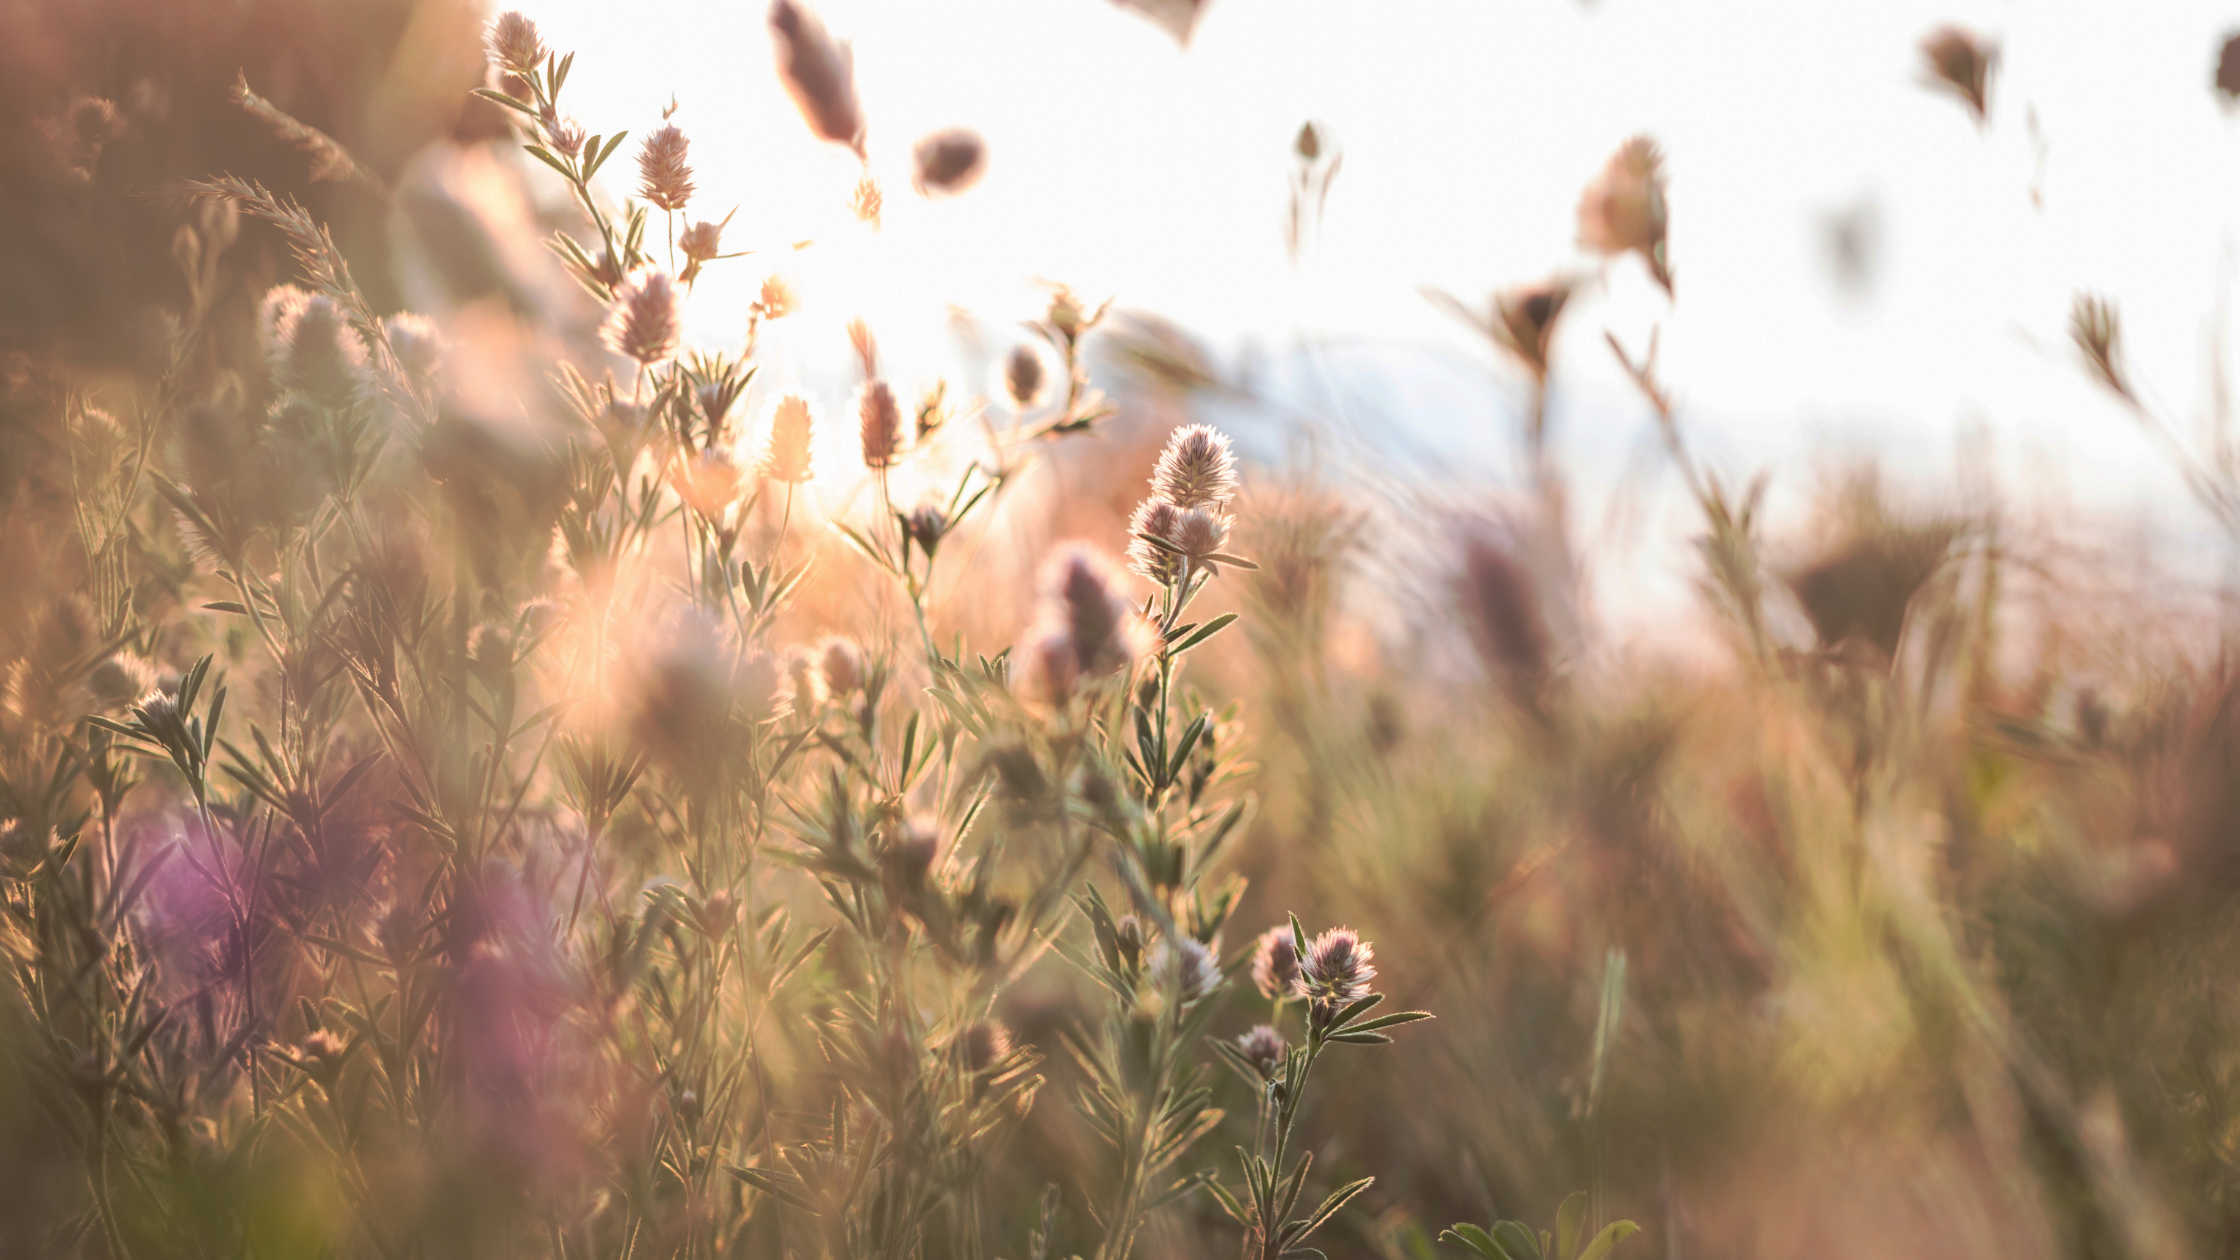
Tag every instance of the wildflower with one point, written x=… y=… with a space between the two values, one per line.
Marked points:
x=1197 y=469
x=702 y=243
x=708 y=482
x=513 y=43
x=1080 y=597
x=1200 y=533
x=1336 y=969
x=643 y=324
x=1263 y=1046
x=120 y=680
x=1501 y=605
x=1022 y=376
x=419 y=348
x=776 y=300
x=1308 y=144
x=2227 y=78
x=1154 y=518
x=564 y=138
x=1623 y=210
x=2097 y=334
x=1525 y=321
x=1275 y=963
x=984 y=1043
x=843 y=666
x=787 y=458
x=881 y=420
x=926 y=524
x=819 y=73
x=1961 y=63
x=1185 y=966
x=664 y=177
x=311 y=348
x=948 y=161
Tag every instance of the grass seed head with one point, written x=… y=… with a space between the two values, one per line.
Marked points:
x=664 y=174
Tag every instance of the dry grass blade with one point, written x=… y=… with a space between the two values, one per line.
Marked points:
x=330 y=162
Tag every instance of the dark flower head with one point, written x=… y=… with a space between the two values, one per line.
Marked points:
x=1275 y=963
x=948 y=161
x=881 y=418
x=926 y=524
x=843 y=666
x=1961 y=63
x=1336 y=969
x=1022 y=376
x=985 y=1044
x=819 y=73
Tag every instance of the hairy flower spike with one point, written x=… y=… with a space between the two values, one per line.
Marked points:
x=1336 y=969
x=643 y=324
x=1156 y=518
x=664 y=176
x=1623 y=210
x=1186 y=967
x=881 y=419
x=1197 y=469
x=787 y=458
x=819 y=73
x=1275 y=963
x=514 y=44
x=311 y=348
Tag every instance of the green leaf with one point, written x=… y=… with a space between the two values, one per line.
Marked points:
x=1227 y=1201
x=501 y=98
x=228 y=606
x=1517 y=1241
x=1204 y=632
x=1569 y=1218
x=1338 y=1199
x=1475 y=1239
x=545 y=156
x=1389 y=1021
x=604 y=154
x=1612 y=1234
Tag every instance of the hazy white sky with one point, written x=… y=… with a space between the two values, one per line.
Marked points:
x=1126 y=165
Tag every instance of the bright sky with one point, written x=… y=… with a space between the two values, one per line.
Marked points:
x=1126 y=165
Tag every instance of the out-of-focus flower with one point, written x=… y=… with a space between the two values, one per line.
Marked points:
x=1023 y=376
x=1525 y=321
x=311 y=348
x=1084 y=613
x=708 y=481
x=1197 y=469
x=1186 y=967
x=842 y=664
x=819 y=73
x=933 y=409
x=805 y=673
x=868 y=202
x=664 y=176
x=913 y=849
x=1154 y=518
x=1275 y=962
x=985 y=1043
x=1262 y=1046
x=787 y=458
x=881 y=419
x=1337 y=968
x=702 y=242
x=1960 y=62
x=1623 y=210
x=643 y=324
x=948 y=161
x=926 y=524
x=2226 y=79
x=514 y=44
x=565 y=137
x=419 y=347
x=776 y=300
x=1501 y=608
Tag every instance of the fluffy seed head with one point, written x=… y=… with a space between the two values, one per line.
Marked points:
x=419 y=348
x=1023 y=376
x=1624 y=208
x=881 y=419
x=1275 y=963
x=1185 y=966
x=806 y=677
x=1081 y=595
x=564 y=137
x=643 y=324
x=948 y=161
x=701 y=242
x=1337 y=968
x=513 y=43
x=311 y=348
x=1197 y=469
x=819 y=73
x=1200 y=533
x=664 y=176
x=1263 y=1047
x=787 y=458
